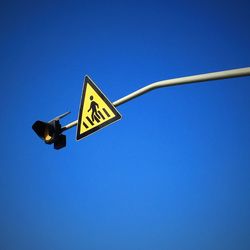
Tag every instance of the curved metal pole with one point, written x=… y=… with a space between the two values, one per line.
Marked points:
x=177 y=81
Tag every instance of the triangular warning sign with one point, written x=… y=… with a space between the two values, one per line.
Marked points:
x=96 y=111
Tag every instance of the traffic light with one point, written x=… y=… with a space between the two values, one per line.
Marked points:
x=51 y=132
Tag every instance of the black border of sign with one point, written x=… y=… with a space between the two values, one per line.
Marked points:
x=118 y=116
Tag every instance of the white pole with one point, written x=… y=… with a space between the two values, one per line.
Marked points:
x=177 y=81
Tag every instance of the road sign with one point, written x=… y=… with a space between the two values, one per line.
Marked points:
x=96 y=111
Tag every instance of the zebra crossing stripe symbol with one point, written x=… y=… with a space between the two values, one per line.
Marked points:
x=96 y=111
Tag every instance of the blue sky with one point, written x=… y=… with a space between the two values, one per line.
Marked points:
x=173 y=173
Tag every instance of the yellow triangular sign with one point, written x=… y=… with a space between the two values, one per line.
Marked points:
x=96 y=111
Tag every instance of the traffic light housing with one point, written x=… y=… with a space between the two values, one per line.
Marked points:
x=51 y=132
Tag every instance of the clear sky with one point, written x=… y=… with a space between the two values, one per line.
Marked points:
x=173 y=173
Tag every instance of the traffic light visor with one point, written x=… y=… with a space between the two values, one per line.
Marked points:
x=44 y=130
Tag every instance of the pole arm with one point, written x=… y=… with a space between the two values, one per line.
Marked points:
x=177 y=81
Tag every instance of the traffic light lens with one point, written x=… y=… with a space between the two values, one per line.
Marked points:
x=47 y=135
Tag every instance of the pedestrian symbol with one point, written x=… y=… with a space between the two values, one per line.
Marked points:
x=96 y=111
